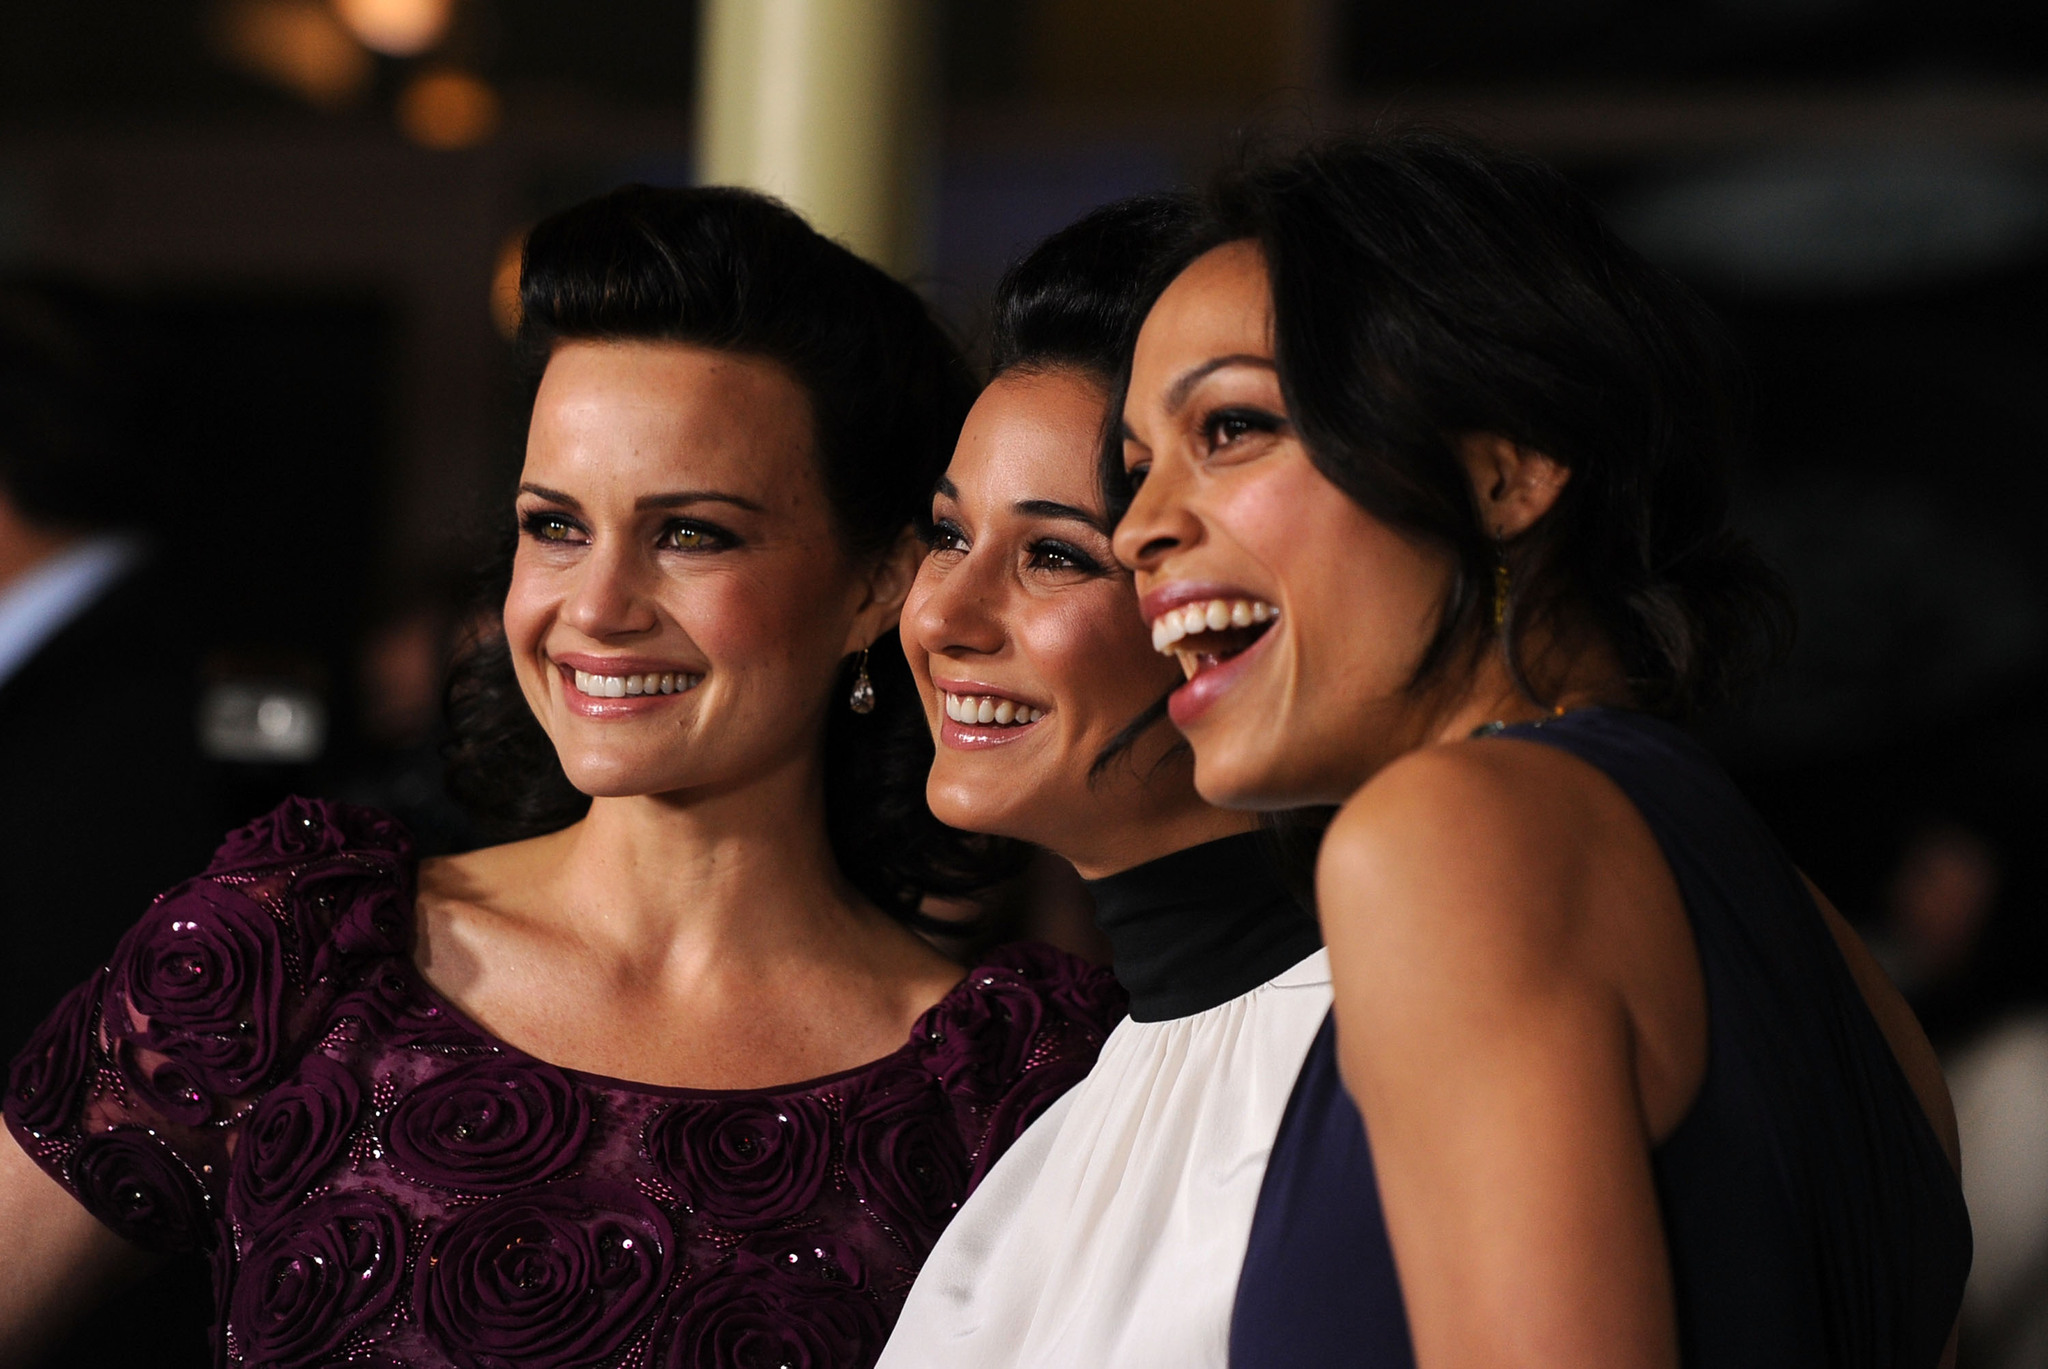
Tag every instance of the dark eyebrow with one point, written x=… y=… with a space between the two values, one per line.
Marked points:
x=676 y=499
x=947 y=488
x=552 y=496
x=1177 y=394
x=1049 y=508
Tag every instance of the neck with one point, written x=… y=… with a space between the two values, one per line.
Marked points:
x=718 y=878
x=1142 y=822
x=1566 y=669
x=25 y=545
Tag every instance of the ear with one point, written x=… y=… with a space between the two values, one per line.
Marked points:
x=1514 y=485
x=888 y=585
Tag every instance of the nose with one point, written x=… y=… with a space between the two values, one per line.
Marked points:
x=1160 y=520
x=956 y=610
x=609 y=598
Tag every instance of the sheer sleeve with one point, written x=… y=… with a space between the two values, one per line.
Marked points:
x=132 y=1093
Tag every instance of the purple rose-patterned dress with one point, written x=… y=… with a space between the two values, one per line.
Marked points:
x=261 y=1073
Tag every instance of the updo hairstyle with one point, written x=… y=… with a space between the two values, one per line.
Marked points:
x=736 y=271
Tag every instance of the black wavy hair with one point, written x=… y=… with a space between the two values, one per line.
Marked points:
x=1077 y=299
x=1427 y=287
x=733 y=270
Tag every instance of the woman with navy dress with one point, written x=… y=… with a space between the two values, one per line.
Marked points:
x=670 y=1079
x=1628 y=1092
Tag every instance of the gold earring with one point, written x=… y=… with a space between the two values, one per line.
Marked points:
x=1503 y=585
x=862 y=699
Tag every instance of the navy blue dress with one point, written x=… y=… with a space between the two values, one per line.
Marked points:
x=1811 y=1216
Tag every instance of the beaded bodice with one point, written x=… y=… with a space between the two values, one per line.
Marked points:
x=260 y=1072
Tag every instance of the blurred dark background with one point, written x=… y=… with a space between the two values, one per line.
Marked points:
x=305 y=214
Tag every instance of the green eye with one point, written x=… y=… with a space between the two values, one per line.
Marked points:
x=548 y=527
x=686 y=538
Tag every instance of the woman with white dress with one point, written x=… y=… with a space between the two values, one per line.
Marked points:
x=1112 y=1232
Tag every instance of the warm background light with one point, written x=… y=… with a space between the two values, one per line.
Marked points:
x=448 y=110
x=396 y=28
x=505 y=286
x=296 y=44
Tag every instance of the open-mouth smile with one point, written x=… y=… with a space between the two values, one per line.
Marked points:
x=1204 y=633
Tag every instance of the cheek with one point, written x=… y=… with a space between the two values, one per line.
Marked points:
x=764 y=617
x=1096 y=657
x=528 y=604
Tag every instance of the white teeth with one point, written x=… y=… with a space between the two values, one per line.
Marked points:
x=633 y=686
x=1214 y=615
x=990 y=711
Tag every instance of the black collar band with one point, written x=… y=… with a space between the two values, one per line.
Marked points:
x=1200 y=927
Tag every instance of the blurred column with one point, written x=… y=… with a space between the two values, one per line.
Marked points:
x=828 y=104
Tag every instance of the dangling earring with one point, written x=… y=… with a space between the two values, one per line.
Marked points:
x=1503 y=586
x=862 y=699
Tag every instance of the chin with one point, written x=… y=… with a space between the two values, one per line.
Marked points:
x=602 y=780
x=1245 y=783
x=970 y=808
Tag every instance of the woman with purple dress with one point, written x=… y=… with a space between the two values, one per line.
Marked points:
x=668 y=1080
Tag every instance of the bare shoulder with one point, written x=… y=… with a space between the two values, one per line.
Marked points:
x=1493 y=842
x=473 y=901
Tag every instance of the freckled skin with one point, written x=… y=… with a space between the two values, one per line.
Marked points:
x=998 y=607
x=613 y=423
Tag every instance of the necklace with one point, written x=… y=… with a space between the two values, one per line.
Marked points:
x=1500 y=725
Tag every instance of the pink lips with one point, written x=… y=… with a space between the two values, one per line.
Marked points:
x=624 y=707
x=961 y=736
x=1188 y=703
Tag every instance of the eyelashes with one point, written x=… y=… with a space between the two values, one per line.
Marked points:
x=1223 y=427
x=1043 y=553
x=1051 y=554
x=551 y=528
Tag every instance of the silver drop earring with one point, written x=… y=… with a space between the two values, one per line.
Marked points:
x=862 y=699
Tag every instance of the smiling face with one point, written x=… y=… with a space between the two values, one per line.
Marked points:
x=680 y=599
x=1298 y=618
x=1024 y=636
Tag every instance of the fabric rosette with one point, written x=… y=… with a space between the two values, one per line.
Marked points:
x=325 y=1272
x=136 y=1185
x=564 y=1275
x=744 y=1163
x=977 y=1038
x=351 y=907
x=1038 y=1089
x=752 y=1312
x=489 y=1126
x=198 y=981
x=301 y=1127
x=47 y=1083
x=305 y=829
x=1083 y=993
x=392 y=1012
x=904 y=1154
